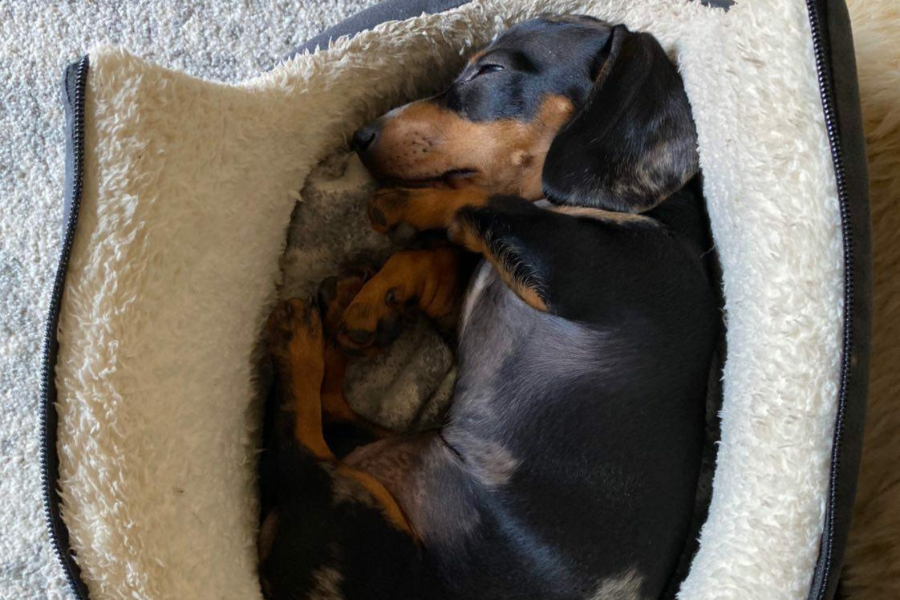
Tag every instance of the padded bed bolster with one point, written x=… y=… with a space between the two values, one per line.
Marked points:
x=179 y=193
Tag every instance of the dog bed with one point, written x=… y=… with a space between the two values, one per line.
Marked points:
x=191 y=206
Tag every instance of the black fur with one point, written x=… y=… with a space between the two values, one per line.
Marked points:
x=568 y=463
x=544 y=56
x=633 y=144
x=326 y=525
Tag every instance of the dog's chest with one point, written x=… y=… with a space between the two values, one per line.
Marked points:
x=485 y=275
x=509 y=350
x=489 y=324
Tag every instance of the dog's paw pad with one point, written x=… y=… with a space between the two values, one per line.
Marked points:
x=369 y=327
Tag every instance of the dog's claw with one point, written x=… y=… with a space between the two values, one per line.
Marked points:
x=388 y=330
x=377 y=216
x=403 y=234
x=292 y=322
x=390 y=297
x=360 y=337
x=337 y=292
x=328 y=290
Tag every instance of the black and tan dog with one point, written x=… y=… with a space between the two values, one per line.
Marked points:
x=567 y=466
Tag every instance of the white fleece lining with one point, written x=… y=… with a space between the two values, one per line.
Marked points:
x=189 y=186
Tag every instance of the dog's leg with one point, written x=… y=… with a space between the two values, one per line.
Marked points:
x=345 y=429
x=520 y=239
x=491 y=231
x=297 y=347
x=428 y=279
x=401 y=213
x=548 y=256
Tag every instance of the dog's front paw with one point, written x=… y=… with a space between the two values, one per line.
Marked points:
x=369 y=325
x=336 y=293
x=372 y=321
x=398 y=213
x=404 y=213
x=294 y=334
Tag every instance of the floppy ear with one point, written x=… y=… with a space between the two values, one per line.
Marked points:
x=633 y=144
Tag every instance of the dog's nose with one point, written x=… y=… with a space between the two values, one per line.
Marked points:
x=364 y=137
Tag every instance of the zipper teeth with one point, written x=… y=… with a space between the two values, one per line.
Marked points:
x=47 y=451
x=827 y=94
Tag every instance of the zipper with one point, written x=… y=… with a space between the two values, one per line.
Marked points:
x=59 y=535
x=823 y=73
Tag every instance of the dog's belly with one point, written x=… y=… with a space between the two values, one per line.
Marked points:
x=571 y=479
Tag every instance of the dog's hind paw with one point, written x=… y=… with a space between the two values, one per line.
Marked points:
x=294 y=332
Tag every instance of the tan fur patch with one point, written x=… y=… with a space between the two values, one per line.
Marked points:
x=412 y=468
x=351 y=484
x=461 y=233
x=606 y=216
x=382 y=497
x=423 y=208
x=305 y=390
x=529 y=296
x=347 y=489
x=474 y=58
x=507 y=155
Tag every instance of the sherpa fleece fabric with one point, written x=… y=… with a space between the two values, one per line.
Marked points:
x=190 y=187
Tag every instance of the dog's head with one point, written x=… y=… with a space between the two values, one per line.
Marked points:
x=568 y=108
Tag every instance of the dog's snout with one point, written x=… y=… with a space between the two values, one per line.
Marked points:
x=364 y=137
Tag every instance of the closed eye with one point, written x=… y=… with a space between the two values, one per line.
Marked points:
x=484 y=69
x=488 y=68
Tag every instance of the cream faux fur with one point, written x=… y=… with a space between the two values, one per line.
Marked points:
x=872 y=563
x=189 y=191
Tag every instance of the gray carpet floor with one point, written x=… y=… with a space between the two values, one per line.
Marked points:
x=227 y=41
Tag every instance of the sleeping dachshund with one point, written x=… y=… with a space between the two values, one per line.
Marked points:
x=564 y=157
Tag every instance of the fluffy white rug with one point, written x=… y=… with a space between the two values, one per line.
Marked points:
x=872 y=570
x=210 y=39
